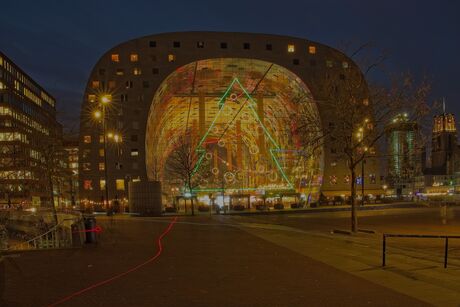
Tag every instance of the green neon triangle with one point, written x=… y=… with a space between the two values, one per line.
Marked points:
x=251 y=103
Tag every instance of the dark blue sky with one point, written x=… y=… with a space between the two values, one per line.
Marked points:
x=58 y=42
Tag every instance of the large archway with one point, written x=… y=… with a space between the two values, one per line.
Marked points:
x=246 y=118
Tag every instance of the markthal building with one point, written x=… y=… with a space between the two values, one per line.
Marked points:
x=238 y=101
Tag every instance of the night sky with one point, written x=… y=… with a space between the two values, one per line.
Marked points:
x=58 y=42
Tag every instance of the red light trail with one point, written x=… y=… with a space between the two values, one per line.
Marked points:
x=113 y=278
x=96 y=229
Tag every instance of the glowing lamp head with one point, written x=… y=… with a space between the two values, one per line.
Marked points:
x=97 y=114
x=105 y=99
x=117 y=138
x=110 y=135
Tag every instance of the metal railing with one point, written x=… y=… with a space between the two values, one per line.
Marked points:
x=446 y=244
x=56 y=237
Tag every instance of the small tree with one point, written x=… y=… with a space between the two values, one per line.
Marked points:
x=183 y=164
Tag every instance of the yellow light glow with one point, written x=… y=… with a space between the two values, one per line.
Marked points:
x=361 y=129
x=97 y=114
x=366 y=120
x=110 y=135
x=116 y=138
x=106 y=99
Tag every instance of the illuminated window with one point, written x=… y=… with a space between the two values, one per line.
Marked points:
x=2 y=86
x=134 y=57
x=291 y=48
x=86 y=166
x=137 y=71
x=101 y=166
x=87 y=184
x=345 y=65
x=101 y=152
x=134 y=152
x=171 y=57
x=246 y=46
x=87 y=139
x=115 y=57
x=101 y=139
x=366 y=101
x=120 y=183
x=95 y=84
x=176 y=44
x=312 y=49
x=329 y=63
x=102 y=184
x=152 y=44
x=120 y=72
x=200 y=44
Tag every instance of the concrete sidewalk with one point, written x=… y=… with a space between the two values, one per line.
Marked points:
x=414 y=269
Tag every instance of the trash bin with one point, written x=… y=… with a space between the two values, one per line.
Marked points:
x=90 y=225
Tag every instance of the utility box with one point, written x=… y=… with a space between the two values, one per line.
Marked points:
x=145 y=198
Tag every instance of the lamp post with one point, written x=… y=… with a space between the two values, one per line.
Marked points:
x=104 y=100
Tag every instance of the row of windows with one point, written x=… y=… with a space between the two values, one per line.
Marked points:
x=346 y=179
x=87 y=139
x=224 y=45
x=23 y=118
x=86 y=166
x=26 y=82
x=119 y=184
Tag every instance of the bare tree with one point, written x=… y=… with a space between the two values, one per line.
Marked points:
x=362 y=109
x=186 y=164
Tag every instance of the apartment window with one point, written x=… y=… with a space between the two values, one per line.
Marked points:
x=137 y=71
x=223 y=45
x=120 y=72
x=312 y=49
x=134 y=138
x=101 y=139
x=171 y=57
x=87 y=184
x=87 y=166
x=102 y=72
x=329 y=63
x=87 y=139
x=101 y=166
x=101 y=152
x=155 y=71
x=246 y=46
x=365 y=101
x=268 y=47
x=295 y=61
x=91 y=98
x=176 y=44
x=102 y=184
x=134 y=57
x=291 y=48
x=124 y=97
x=134 y=152
x=120 y=183
x=152 y=44
x=115 y=57
x=200 y=44
x=95 y=84
x=345 y=65
x=145 y=84
x=129 y=84
x=118 y=165
x=112 y=84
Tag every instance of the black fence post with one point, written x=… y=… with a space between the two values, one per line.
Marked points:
x=446 y=248
x=384 y=247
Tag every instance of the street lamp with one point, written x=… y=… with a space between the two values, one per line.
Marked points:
x=104 y=100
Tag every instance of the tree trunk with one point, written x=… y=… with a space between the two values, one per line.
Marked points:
x=354 y=215
x=193 y=209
